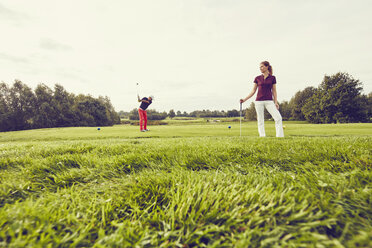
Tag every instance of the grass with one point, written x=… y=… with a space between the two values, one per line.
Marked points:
x=249 y=129
x=187 y=186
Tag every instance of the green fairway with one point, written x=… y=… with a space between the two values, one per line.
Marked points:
x=192 y=129
x=187 y=185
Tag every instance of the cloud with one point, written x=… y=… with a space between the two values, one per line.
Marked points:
x=12 y=58
x=190 y=54
x=11 y=15
x=66 y=74
x=49 y=44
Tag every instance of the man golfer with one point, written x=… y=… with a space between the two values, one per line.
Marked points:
x=266 y=84
x=145 y=102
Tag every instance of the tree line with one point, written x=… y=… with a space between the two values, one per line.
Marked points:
x=22 y=108
x=338 y=99
x=154 y=115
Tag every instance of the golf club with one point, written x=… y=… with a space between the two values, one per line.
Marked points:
x=138 y=91
x=241 y=119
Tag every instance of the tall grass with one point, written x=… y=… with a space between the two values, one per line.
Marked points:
x=185 y=192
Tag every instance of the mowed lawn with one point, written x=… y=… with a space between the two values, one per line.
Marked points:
x=187 y=185
x=249 y=129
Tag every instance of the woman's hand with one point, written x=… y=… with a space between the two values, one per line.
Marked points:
x=242 y=100
x=277 y=106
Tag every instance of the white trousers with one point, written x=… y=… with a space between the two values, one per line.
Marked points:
x=274 y=112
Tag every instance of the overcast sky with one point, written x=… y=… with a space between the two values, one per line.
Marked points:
x=190 y=54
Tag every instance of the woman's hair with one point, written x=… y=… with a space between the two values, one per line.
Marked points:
x=267 y=64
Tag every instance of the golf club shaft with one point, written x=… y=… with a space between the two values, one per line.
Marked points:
x=240 y=119
x=138 y=92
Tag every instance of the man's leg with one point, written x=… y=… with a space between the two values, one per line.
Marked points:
x=140 y=113
x=145 y=119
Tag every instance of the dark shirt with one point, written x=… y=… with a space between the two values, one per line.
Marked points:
x=144 y=105
x=265 y=87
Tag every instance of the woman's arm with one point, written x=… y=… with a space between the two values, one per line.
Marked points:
x=250 y=94
x=275 y=96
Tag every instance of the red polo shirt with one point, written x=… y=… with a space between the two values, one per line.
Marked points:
x=265 y=87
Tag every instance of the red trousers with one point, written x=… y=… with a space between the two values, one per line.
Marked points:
x=142 y=119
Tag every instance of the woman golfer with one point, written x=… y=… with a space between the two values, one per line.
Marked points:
x=145 y=102
x=266 y=84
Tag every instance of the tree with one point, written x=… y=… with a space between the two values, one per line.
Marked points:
x=154 y=115
x=45 y=114
x=21 y=108
x=63 y=102
x=172 y=114
x=92 y=111
x=298 y=101
x=311 y=110
x=21 y=102
x=338 y=99
x=133 y=115
x=250 y=113
x=233 y=113
x=285 y=110
x=112 y=116
x=5 y=124
x=123 y=114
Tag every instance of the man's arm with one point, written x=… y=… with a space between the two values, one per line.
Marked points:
x=139 y=100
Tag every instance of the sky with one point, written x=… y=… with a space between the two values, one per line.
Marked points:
x=189 y=54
